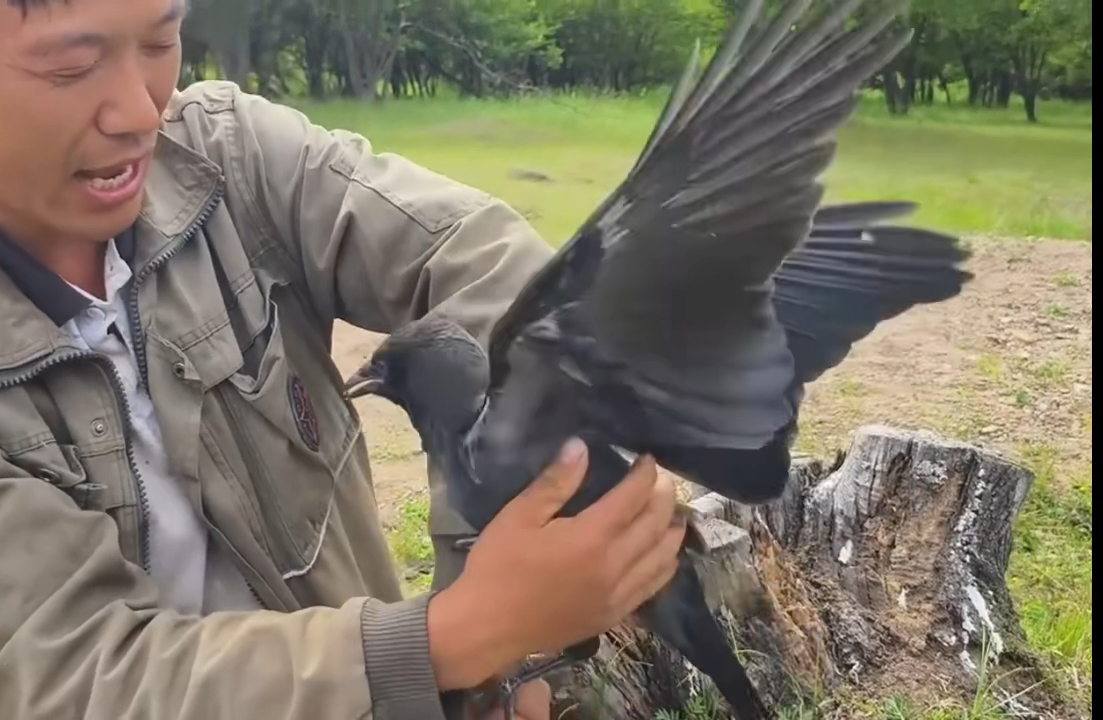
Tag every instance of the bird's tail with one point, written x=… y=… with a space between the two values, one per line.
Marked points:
x=680 y=616
x=852 y=273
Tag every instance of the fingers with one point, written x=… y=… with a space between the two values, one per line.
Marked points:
x=543 y=498
x=652 y=573
x=647 y=530
x=621 y=505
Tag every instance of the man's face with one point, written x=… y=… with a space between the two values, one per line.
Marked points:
x=83 y=84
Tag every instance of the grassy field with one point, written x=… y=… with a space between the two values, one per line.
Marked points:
x=970 y=171
x=979 y=173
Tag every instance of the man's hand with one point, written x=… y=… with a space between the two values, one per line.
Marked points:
x=537 y=584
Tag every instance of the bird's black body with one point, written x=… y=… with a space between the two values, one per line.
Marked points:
x=684 y=319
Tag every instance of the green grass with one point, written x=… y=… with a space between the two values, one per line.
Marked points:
x=1051 y=567
x=979 y=171
x=411 y=547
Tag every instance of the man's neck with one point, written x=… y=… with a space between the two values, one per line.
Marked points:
x=79 y=263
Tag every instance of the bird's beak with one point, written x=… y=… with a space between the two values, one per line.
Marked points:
x=364 y=381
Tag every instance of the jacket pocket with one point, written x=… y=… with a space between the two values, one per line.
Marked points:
x=61 y=466
x=294 y=433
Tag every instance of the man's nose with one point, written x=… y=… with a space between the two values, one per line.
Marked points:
x=130 y=110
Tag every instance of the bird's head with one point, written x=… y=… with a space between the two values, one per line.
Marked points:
x=433 y=369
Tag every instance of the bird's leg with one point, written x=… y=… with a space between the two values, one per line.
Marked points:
x=577 y=653
x=503 y=693
x=509 y=687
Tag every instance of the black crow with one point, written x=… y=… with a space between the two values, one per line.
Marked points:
x=686 y=315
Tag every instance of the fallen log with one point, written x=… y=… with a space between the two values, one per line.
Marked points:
x=880 y=576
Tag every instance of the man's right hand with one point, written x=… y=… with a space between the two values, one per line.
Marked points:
x=536 y=583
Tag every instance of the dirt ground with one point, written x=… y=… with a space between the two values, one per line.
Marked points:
x=1007 y=364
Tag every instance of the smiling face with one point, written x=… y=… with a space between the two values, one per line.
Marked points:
x=83 y=84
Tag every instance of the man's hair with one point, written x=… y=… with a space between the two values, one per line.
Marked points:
x=26 y=5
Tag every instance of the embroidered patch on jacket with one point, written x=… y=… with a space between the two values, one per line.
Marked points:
x=303 y=410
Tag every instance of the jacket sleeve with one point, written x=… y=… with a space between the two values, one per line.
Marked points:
x=81 y=635
x=381 y=240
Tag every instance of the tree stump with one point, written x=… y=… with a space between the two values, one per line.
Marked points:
x=880 y=576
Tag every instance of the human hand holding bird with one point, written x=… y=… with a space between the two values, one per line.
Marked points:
x=556 y=580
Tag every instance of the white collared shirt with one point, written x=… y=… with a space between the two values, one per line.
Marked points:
x=193 y=576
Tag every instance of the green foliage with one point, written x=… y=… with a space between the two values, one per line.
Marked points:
x=1051 y=567
x=411 y=547
x=1038 y=49
x=705 y=706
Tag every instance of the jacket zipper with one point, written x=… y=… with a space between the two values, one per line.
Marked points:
x=134 y=316
x=137 y=334
x=138 y=341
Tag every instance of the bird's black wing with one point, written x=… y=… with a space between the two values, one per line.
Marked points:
x=853 y=273
x=662 y=303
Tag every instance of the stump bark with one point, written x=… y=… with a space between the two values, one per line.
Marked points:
x=881 y=575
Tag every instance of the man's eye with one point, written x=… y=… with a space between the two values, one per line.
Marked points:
x=161 y=48
x=69 y=75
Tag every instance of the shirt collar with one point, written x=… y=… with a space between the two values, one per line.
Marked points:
x=57 y=299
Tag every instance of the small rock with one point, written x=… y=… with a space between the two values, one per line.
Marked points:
x=989 y=430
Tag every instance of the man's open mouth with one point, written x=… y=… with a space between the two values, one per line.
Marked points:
x=111 y=178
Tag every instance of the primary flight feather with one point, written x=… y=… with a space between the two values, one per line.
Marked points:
x=686 y=315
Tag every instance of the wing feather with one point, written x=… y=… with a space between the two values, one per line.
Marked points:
x=676 y=295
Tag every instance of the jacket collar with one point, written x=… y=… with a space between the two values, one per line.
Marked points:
x=34 y=302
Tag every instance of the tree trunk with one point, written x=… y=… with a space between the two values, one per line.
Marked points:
x=1029 y=61
x=1030 y=103
x=352 y=59
x=1003 y=89
x=971 y=79
x=892 y=91
x=880 y=576
x=945 y=88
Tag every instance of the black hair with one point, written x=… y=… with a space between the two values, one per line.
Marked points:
x=26 y=5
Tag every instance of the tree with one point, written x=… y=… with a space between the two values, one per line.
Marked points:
x=1043 y=26
x=370 y=48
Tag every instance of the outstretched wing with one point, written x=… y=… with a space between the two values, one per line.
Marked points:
x=853 y=273
x=662 y=304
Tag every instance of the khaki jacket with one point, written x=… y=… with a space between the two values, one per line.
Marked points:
x=259 y=230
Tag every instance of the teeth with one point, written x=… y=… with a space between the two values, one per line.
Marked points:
x=113 y=183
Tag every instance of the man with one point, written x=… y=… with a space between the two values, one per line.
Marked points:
x=187 y=521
